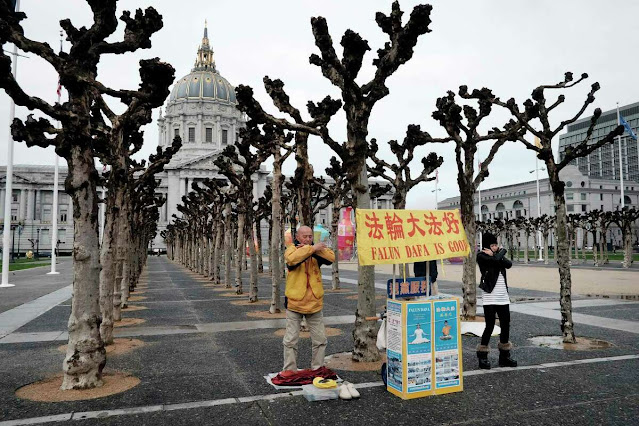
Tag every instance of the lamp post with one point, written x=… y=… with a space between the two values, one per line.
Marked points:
x=541 y=256
x=9 y=175
x=38 y=243
x=19 y=236
x=623 y=201
x=55 y=208
x=13 y=243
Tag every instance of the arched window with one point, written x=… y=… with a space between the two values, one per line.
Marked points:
x=500 y=209
x=518 y=207
x=485 y=215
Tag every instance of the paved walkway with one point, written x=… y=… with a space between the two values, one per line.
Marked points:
x=15 y=318
x=204 y=358
x=585 y=281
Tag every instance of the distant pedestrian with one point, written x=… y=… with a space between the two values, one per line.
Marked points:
x=493 y=263
x=419 y=268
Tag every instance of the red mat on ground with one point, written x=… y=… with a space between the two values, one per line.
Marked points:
x=302 y=377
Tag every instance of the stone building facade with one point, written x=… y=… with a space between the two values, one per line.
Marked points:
x=583 y=194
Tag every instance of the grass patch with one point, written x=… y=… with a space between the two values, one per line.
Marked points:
x=611 y=256
x=20 y=264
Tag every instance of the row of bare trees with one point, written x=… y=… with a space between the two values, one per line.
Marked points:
x=462 y=119
x=90 y=129
x=221 y=210
x=594 y=226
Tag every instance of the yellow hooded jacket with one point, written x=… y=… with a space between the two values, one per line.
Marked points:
x=304 y=288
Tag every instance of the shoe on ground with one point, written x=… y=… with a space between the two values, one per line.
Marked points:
x=351 y=389
x=344 y=392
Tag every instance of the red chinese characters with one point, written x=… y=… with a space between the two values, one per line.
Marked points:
x=434 y=225
x=374 y=226
x=451 y=223
x=394 y=226
x=414 y=221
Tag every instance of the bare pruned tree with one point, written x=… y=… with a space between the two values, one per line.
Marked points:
x=359 y=101
x=462 y=124
x=238 y=163
x=75 y=141
x=535 y=118
x=321 y=113
x=398 y=173
x=624 y=219
x=277 y=143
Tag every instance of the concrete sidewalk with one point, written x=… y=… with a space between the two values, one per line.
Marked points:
x=596 y=281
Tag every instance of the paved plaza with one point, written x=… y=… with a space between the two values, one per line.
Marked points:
x=204 y=358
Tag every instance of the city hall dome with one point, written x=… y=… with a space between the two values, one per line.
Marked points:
x=204 y=82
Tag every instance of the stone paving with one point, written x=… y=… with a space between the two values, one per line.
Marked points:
x=203 y=359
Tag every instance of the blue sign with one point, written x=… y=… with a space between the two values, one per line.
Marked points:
x=412 y=287
x=418 y=328
x=447 y=371
x=419 y=347
x=394 y=369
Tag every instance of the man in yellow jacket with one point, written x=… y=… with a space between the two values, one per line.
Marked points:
x=305 y=296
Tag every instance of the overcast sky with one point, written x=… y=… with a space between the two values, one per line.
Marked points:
x=510 y=46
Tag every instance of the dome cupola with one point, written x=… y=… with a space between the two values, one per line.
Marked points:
x=204 y=82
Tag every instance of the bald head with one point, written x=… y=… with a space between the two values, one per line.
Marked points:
x=304 y=235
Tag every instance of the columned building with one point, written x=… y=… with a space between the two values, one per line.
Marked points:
x=32 y=209
x=582 y=194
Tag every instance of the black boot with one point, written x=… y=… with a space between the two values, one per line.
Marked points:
x=504 y=355
x=482 y=356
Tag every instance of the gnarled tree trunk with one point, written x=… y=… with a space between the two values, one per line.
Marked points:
x=253 y=270
x=335 y=284
x=108 y=259
x=365 y=332
x=563 y=261
x=469 y=278
x=86 y=356
x=275 y=265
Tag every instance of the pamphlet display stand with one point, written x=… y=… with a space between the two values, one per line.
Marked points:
x=423 y=347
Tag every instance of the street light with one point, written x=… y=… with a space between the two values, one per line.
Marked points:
x=38 y=243
x=536 y=170
x=19 y=236
x=13 y=243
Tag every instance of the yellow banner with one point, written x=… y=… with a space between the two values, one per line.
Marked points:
x=405 y=236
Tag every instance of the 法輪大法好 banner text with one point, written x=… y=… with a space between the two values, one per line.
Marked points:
x=404 y=236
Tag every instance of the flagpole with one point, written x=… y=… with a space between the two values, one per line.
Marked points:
x=54 y=219
x=8 y=197
x=479 y=206
x=620 y=160
x=436 y=180
x=541 y=255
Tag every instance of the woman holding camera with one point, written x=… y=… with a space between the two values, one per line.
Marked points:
x=493 y=263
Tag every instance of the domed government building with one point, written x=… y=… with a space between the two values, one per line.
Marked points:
x=201 y=109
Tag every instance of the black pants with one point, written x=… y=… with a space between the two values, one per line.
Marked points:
x=503 y=311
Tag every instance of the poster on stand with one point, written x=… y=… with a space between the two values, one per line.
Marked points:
x=446 y=337
x=394 y=342
x=419 y=347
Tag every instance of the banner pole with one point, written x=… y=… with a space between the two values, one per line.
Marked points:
x=393 y=285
